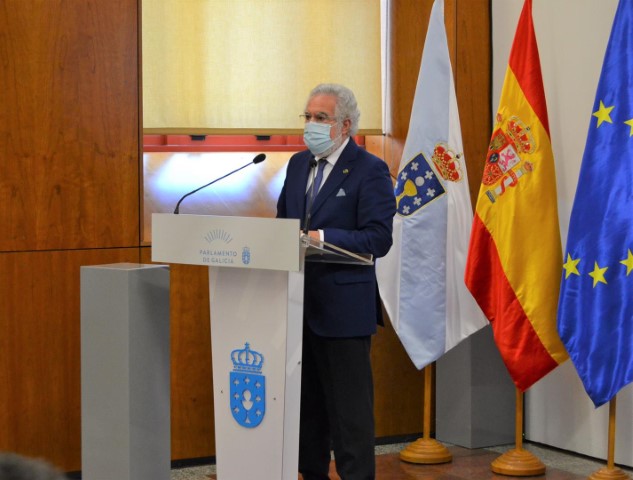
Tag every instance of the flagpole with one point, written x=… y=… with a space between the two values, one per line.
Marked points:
x=426 y=450
x=518 y=462
x=610 y=472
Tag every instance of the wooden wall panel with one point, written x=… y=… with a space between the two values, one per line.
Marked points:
x=40 y=389
x=398 y=387
x=408 y=22
x=193 y=425
x=69 y=124
x=192 y=422
x=473 y=84
x=69 y=193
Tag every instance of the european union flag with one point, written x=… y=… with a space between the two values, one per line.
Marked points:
x=595 y=310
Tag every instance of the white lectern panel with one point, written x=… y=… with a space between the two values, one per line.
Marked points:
x=257 y=425
x=235 y=242
x=256 y=292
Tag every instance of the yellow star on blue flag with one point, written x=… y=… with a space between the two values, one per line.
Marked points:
x=595 y=309
x=603 y=114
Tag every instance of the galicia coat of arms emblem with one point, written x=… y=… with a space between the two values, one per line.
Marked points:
x=418 y=184
x=248 y=387
x=246 y=255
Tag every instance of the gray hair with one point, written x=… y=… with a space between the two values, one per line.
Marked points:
x=17 y=467
x=346 y=106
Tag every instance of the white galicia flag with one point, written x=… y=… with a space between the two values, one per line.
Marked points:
x=421 y=280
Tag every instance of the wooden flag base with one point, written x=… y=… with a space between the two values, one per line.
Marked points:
x=609 y=473
x=518 y=463
x=427 y=451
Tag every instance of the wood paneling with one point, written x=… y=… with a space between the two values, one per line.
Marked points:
x=398 y=386
x=192 y=422
x=69 y=194
x=40 y=343
x=193 y=425
x=406 y=30
x=69 y=128
x=473 y=84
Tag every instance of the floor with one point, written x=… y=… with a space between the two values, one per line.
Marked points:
x=466 y=464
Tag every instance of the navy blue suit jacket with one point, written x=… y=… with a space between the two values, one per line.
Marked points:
x=355 y=208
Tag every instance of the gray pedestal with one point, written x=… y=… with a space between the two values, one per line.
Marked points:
x=125 y=381
x=475 y=396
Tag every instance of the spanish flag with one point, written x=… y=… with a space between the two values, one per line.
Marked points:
x=514 y=256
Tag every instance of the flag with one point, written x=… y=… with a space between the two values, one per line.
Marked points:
x=595 y=312
x=514 y=256
x=421 y=278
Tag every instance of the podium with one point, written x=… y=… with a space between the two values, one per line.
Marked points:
x=125 y=402
x=256 y=294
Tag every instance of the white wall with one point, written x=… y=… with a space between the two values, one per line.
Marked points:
x=572 y=37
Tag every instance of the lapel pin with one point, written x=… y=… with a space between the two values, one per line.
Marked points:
x=346 y=171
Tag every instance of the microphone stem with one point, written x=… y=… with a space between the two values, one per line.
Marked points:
x=177 y=209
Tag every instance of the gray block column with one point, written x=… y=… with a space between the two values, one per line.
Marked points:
x=125 y=377
x=475 y=396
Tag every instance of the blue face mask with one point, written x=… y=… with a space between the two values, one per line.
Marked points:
x=316 y=136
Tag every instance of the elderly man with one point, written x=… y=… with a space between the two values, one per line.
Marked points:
x=352 y=206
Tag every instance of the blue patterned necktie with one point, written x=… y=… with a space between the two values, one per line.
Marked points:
x=317 y=182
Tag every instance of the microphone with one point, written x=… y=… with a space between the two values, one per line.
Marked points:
x=258 y=159
x=306 y=225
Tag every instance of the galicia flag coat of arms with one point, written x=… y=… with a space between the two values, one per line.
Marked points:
x=248 y=387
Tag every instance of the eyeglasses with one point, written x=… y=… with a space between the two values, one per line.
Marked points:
x=317 y=117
